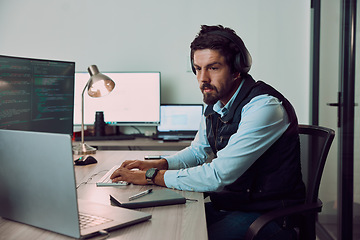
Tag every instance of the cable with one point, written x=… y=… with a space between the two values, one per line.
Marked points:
x=137 y=130
x=90 y=178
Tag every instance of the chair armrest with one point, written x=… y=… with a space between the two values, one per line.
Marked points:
x=264 y=219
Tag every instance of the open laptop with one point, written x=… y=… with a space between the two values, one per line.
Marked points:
x=37 y=187
x=179 y=121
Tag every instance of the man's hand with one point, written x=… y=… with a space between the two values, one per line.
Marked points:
x=130 y=176
x=126 y=172
x=160 y=164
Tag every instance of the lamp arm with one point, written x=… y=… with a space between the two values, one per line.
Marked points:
x=82 y=111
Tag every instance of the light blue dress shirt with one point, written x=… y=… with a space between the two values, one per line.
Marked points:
x=194 y=168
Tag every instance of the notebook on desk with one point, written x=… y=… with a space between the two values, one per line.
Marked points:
x=157 y=197
x=38 y=187
x=179 y=121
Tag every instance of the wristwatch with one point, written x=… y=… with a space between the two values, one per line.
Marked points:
x=150 y=175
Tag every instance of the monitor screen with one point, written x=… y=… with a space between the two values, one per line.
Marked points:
x=180 y=117
x=135 y=99
x=36 y=94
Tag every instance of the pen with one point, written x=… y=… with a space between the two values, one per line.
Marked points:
x=140 y=194
x=151 y=157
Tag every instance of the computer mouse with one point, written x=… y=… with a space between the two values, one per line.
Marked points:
x=85 y=160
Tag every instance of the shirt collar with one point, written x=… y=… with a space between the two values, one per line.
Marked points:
x=223 y=110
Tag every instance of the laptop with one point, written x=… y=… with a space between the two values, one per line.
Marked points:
x=179 y=121
x=37 y=187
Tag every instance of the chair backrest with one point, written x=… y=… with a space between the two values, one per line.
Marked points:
x=315 y=142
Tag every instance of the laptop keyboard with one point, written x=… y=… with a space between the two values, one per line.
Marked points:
x=106 y=181
x=87 y=220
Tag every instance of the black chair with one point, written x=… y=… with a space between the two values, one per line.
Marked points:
x=315 y=142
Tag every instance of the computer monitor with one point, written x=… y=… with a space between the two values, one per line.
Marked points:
x=180 y=117
x=135 y=100
x=36 y=94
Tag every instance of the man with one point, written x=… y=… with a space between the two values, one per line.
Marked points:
x=250 y=132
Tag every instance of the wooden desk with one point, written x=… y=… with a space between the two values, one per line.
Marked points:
x=184 y=221
x=142 y=144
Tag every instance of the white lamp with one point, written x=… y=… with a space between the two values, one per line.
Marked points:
x=98 y=85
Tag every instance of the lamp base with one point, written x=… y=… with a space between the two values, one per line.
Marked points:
x=83 y=148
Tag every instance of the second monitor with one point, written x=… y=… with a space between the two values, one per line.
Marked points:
x=134 y=101
x=179 y=121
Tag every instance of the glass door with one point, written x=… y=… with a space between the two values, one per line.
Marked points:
x=338 y=94
x=328 y=116
x=356 y=206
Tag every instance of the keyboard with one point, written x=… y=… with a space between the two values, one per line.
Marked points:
x=87 y=220
x=174 y=137
x=107 y=137
x=106 y=181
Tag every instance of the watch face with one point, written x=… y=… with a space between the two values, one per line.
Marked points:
x=150 y=173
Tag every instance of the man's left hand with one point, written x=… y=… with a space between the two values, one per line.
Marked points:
x=130 y=176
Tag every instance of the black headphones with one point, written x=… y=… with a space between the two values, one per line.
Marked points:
x=242 y=62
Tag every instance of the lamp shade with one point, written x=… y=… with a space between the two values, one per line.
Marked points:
x=99 y=84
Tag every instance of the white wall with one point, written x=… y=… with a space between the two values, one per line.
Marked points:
x=142 y=35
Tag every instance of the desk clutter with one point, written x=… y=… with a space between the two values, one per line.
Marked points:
x=178 y=122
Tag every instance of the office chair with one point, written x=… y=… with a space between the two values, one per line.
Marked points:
x=315 y=142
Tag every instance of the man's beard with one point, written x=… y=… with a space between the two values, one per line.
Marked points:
x=210 y=98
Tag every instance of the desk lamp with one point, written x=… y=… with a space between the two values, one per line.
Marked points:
x=98 y=85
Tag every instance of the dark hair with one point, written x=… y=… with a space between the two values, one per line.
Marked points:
x=226 y=47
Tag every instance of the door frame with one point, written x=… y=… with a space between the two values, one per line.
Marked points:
x=345 y=104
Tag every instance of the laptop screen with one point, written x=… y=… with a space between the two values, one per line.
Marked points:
x=180 y=117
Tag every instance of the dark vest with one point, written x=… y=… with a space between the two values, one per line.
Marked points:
x=275 y=179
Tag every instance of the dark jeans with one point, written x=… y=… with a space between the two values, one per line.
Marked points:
x=234 y=224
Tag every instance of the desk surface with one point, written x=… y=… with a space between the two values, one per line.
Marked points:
x=184 y=221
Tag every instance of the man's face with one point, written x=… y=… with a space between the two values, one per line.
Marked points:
x=214 y=77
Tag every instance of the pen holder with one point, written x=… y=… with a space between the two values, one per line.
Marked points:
x=99 y=124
